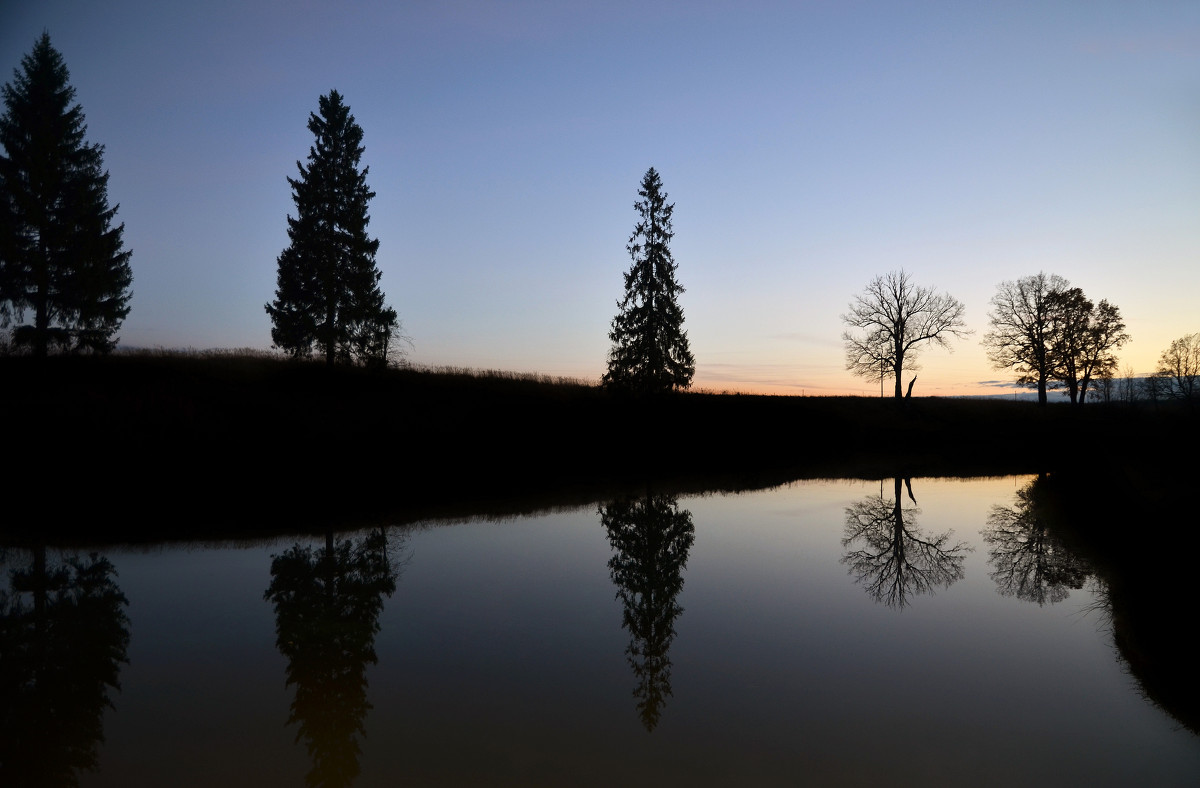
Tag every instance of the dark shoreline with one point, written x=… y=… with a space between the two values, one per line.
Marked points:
x=145 y=450
x=164 y=447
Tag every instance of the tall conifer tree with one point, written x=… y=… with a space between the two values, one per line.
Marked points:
x=650 y=348
x=327 y=296
x=60 y=257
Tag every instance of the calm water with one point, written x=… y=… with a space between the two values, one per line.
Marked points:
x=793 y=636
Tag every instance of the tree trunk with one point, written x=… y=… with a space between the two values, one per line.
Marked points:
x=41 y=319
x=329 y=338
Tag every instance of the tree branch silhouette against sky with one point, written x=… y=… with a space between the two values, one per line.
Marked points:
x=808 y=148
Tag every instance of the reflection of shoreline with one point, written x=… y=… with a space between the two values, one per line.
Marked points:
x=1123 y=525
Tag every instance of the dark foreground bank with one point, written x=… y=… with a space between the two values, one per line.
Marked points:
x=177 y=446
x=1133 y=527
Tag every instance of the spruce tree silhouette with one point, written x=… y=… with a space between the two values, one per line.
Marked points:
x=60 y=256
x=650 y=352
x=327 y=293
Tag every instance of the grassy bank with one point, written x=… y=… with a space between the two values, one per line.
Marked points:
x=178 y=443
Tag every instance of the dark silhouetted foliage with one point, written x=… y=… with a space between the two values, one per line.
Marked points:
x=650 y=352
x=327 y=295
x=1084 y=340
x=1051 y=334
x=1020 y=334
x=60 y=257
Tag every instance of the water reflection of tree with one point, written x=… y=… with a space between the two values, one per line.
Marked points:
x=1028 y=560
x=651 y=538
x=63 y=639
x=327 y=605
x=893 y=559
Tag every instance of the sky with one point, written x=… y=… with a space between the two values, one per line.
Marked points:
x=808 y=147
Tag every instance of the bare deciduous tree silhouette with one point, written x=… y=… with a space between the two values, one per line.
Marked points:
x=1020 y=334
x=891 y=320
x=1179 y=368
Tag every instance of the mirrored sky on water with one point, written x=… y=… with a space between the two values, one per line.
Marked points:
x=504 y=657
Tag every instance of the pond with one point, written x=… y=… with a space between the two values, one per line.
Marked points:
x=826 y=633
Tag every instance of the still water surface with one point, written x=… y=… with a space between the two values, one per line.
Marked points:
x=799 y=635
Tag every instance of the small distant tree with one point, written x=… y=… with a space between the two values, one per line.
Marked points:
x=1128 y=388
x=1020 y=334
x=327 y=296
x=650 y=351
x=1179 y=368
x=60 y=257
x=891 y=320
x=1154 y=387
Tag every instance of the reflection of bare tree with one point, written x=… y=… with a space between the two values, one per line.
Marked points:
x=327 y=606
x=651 y=538
x=63 y=639
x=893 y=559
x=1028 y=561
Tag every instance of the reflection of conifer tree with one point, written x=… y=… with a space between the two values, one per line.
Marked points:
x=1029 y=562
x=651 y=538
x=895 y=560
x=327 y=606
x=63 y=638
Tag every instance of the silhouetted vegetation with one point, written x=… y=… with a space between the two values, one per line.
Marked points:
x=60 y=257
x=63 y=639
x=189 y=434
x=1179 y=368
x=889 y=555
x=327 y=296
x=651 y=538
x=889 y=323
x=650 y=352
x=1133 y=526
x=1049 y=332
x=1019 y=338
x=327 y=605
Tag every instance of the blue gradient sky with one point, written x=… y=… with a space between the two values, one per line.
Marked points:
x=807 y=146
